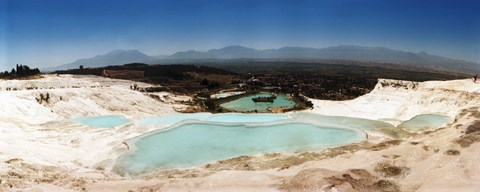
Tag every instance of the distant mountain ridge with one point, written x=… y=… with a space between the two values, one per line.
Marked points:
x=115 y=57
x=358 y=53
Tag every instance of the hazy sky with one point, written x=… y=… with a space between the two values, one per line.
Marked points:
x=52 y=32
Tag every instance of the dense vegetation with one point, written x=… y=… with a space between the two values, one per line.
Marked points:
x=176 y=78
x=176 y=72
x=357 y=69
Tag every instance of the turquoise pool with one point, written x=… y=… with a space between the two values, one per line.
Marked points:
x=245 y=104
x=106 y=121
x=194 y=143
x=172 y=119
x=222 y=117
x=195 y=139
x=425 y=122
x=245 y=118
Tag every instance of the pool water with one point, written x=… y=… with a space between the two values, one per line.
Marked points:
x=194 y=143
x=425 y=122
x=223 y=117
x=172 y=119
x=246 y=104
x=245 y=118
x=106 y=121
x=195 y=139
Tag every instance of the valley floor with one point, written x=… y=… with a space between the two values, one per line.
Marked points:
x=41 y=150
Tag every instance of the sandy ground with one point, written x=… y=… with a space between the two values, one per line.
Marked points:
x=40 y=150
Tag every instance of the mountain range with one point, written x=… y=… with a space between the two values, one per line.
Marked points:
x=351 y=53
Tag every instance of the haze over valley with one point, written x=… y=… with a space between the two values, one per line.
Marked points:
x=339 y=53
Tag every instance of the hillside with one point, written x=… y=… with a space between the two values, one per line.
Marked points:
x=115 y=57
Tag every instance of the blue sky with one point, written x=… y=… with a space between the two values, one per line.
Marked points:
x=44 y=33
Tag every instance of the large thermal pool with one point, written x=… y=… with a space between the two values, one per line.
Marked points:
x=195 y=139
x=187 y=140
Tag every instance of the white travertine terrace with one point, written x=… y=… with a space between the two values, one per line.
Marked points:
x=37 y=141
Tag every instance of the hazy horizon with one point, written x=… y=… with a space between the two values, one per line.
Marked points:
x=54 y=32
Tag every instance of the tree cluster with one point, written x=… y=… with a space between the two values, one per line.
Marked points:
x=210 y=84
x=20 y=71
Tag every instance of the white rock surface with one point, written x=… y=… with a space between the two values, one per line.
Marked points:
x=40 y=134
x=402 y=100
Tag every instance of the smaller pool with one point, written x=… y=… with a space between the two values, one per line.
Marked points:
x=425 y=122
x=105 y=121
x=246 y=104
